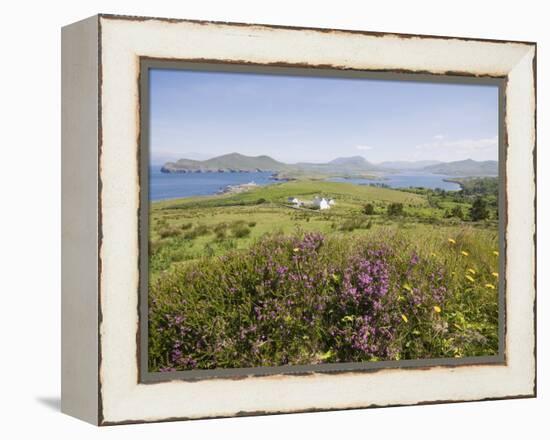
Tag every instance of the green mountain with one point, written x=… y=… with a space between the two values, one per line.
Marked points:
x=353 y=163
x=233 y=162
x=342 y=166
x=465 y=168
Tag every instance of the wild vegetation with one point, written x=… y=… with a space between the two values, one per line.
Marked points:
x=242 y=280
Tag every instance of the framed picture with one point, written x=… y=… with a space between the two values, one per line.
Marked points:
x=264 y=219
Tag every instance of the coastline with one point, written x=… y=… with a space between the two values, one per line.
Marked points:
x=204 y=184
x=463 y=180
x=457 y=180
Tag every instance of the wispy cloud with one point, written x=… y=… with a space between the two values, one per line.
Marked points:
x=364 y=147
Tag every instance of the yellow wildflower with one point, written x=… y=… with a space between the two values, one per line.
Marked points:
x=468 y=277
x=464 y=253
x=495 y=274
x=452 y=241
x=296 y=249
x=437 y=309
x=472 y=271
x=495 y=253
x=490 y=286
x=404 y=318
x=433 y=254
x=326 y=355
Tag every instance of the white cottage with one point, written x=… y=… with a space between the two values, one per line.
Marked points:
x=296 y=202
x=321 y=203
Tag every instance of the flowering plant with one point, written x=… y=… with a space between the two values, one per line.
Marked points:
x=306 y=299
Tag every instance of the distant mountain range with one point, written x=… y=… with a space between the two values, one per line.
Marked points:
x=235 y=163
x=408 y=165
x=346 y=165
x=466 y=167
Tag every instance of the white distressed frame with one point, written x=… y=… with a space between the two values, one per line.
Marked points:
x=122 y=41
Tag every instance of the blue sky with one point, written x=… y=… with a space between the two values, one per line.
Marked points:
x=198 y=115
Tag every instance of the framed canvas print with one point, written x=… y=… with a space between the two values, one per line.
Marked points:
x=264 y=219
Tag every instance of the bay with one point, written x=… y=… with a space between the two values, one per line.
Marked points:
x=164 y=186
x=406 y=180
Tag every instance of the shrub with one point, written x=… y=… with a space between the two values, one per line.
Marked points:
x=190 y=235
x=479 y=210
x=251 y=224
x=368 y=209
x=220 y=227
x=201 y=230
x=240 y=231
x=197 y=231
x=220 y=234
x=457 y=212
x=186 y=226
x=395 y=209
x=355 y=223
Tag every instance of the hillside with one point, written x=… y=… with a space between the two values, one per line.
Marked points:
x=233 y=162
x=354 y=162
x=465 y=168
x=344 y=193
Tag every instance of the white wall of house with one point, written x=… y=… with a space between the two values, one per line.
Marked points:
x=321 y=203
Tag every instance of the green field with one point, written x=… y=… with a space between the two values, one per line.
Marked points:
x=190 y=228
x=221 y=236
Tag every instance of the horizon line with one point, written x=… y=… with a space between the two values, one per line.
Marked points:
x=324 y=162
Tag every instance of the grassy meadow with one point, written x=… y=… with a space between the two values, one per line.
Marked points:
x=247 y=279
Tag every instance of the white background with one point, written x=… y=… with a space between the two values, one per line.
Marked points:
x=30 y=217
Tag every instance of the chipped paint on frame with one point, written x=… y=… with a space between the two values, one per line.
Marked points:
x=122 y=398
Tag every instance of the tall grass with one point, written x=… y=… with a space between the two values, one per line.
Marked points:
x=306 y=298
